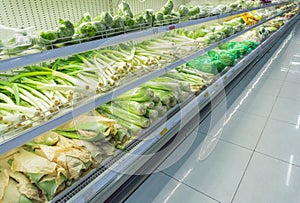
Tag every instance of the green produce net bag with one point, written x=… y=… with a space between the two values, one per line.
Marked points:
x=213 y=55
x=235 y=52
x=204 y=64
x=250 y=44
x=227 y=45
x=219 y=65
x=244 y=49
x=227 y=58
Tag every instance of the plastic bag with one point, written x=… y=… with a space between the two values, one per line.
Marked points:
x=214 y=55
x=227 y=45
x=15 y=37
x=227 y=58
x=219 y=65
x=204 y=64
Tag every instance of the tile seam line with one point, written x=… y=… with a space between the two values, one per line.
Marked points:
x=230 y=142
x=191 y=187
x=238 y=145
x=284 y=97
x=268 y=118
x=282 y=121
x=278 y=159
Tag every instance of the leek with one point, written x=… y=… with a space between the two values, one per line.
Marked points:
x=152 y=114
x=138 y=94
x=123 y=114
x=132 y=106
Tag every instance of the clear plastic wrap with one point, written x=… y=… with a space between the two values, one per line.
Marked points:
x=15 y=37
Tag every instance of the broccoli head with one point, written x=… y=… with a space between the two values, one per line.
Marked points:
x=149 y=16
x=183 y=11
x=49 y=35
x=124 y=10
x=194 y=10
x=118 y=22
x=105 y=18
x=139 y=19
x=87 y=29
x=167 y=8
x=159 y=16
x=65 y=30
x=128 y=21
x=99 y=26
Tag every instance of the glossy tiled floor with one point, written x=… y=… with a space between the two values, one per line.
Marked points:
x=253 y=154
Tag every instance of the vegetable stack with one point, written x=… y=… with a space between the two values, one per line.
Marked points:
x=42 y=168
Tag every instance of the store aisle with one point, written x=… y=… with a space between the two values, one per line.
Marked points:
x=252 y=154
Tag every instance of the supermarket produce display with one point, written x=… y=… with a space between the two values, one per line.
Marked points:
x=64 y=155
x=35 y=46
x=99 y=71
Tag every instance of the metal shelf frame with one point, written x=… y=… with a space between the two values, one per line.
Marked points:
x=130 y=163
x=91 y=103
x=16 y=62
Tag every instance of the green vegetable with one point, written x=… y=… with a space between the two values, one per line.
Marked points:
x=194 y=10
x=85 y=18
x=161 y=109
x=199 y=33
x=184 y=86
x=118 y=22
x=99 y=26
x=148 y=105
x=132 y=128
x=132 y=106
x=87 y=29
x=167 y=8
x=152 y=114
x=123 y=114
x=164 y=96
x=138 y=94
x=227 y=58
x=183 y=11
x=214 y=55
x=169 y=86
x=204 y=64
x=227 y=45
x=24 y=199
x=124 y=10
x=130 y=22
x=49 y=35
x=227 y=30
x=159 y=16
x=149 y=16
x=49 y=187
x=139 y=19
x=105 y=18
x=65 y=30
x=235 y=52
x=220 y=65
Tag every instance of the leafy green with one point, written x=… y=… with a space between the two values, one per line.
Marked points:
x=194 y=10
x=183 y=11
x=49 y=35
x=124 y=10
x=87 y=29
x=65 y=30
x=167 y=8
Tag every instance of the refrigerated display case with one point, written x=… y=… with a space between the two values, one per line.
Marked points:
x=118 y=170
